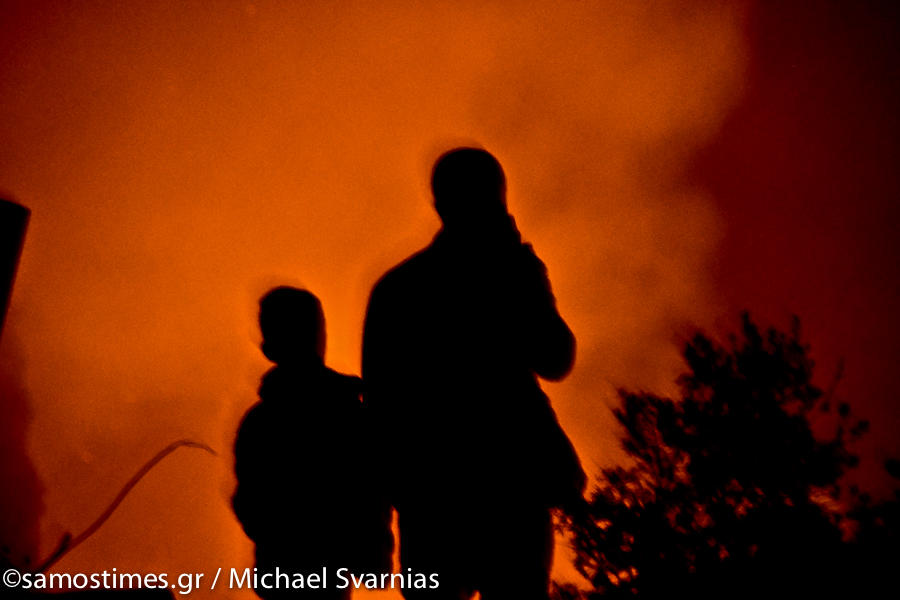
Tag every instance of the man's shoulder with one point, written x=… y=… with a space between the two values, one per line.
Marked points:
x=412 y=266
x=346 y=385
x=408 y=273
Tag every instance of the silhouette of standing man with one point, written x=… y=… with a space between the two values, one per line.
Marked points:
x=455 y=338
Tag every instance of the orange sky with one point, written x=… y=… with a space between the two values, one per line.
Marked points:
x=179 y=161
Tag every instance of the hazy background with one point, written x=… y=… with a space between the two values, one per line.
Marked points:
x=671 y=162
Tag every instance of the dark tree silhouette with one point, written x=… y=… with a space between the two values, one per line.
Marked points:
x=730 y=493
x=876 y=541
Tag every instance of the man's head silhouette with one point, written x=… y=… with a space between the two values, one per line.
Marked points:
x=293 y=326
x=469 y=187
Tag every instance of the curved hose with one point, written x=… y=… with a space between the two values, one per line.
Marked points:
x=68 y=543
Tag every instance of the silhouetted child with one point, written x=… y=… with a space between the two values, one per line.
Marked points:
x=306 y=493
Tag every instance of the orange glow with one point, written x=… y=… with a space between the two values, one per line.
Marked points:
x=179 y=161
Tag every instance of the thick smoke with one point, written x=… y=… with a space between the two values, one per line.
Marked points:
x=181 y=160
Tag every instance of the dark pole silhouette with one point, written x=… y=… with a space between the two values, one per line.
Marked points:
x=455 y=338
x=13 y=223
x=20 y=503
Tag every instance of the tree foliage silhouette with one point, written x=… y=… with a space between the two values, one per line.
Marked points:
x=876 y=542
x=730 y=493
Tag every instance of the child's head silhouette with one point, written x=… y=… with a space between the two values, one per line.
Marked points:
x=293 y=326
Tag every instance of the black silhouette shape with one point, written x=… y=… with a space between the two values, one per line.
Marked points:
x=305 y=492
x=731 y=495
x=21 y=502
x=13 y=223
x=474 y=458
